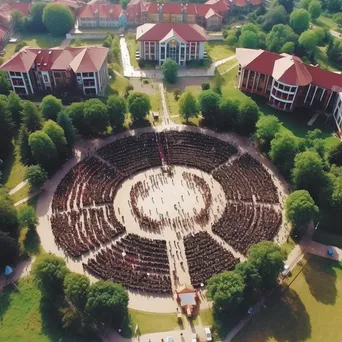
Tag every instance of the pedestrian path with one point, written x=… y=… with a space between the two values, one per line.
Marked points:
x=18 y=187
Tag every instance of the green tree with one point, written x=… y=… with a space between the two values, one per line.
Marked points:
x=300 y=209
x=76 y=113
x=43 y=149
x=31 y=117
x=76 y=288
x=5 y=85
x=50 y=107
x=300 y=20
x=334 y=51
x=249 y=39
x=308 y=40
x=250 y=276
x=315 y=9
x=9 y=250
x=305 y=4
x=333 y=6
x=117 y=109
x=139 y=105
x=8 y=217
x=36 y=176
x=287 y=4
x=279 y=36
x=65 y=122
x=15 y=107
x=226 y=290
x=267 y=127
x=49 y=272
x=276 y=15
x=248 y=116
x=6 y=129
x=27 y=217
x=335 y=154
x=170 y=70
x=188 y=106
x=338 y=19
x=288 y=48
x=24 y=147
x=56 y=134
x=17 y=20
x=284 y=148
x=107 y=302
x=35 y=21
x=209 y=102
x=58 y=19
x=308 y=172
x=96 y=116
x=228 y=115
x=268 y=258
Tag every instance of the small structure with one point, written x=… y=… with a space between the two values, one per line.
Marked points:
x=187 y=298
x=155 y=116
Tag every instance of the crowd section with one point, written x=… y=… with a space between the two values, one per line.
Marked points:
x=133 y=154
x=246 y=178
x=196 y=150
x=244 y=224
x=206 y=257
x=80 y=231
x=140 y=264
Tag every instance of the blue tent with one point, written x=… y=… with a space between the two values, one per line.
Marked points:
x=330 y=251
x=8 y=270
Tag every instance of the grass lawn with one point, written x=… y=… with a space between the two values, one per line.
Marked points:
x=225 y=66
x=132 y=48
x=87 y=42
x=327 y=238
x=310 y=310
x=218 y=50
x=13 y=170
x=119 y=84
x=325 y=22
x=20 y=194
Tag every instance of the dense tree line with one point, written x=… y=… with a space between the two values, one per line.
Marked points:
x=77 y=306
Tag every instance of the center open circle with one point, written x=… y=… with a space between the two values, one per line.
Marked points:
x=155 y=199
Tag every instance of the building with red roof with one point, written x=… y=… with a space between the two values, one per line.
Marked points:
x=180 y=42
x=288 y=83
x=34 y=70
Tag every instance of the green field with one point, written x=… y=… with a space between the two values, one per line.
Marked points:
x=309 y=310
x=132 y=49
x=218 y=50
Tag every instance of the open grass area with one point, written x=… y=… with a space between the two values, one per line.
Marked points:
x=132 y=48
x=13 y=169
x=325 y=22
x=20 y=194
x=119 y=84
x=309 y=310
x=225 y=66
x=217 y=50
x=327 y=238
x=87 y=42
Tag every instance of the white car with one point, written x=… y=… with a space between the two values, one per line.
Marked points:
x=169 y=339
x=194 y=338
x=208 y=334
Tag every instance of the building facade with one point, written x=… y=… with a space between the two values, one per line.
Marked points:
x=33 y=70
x=180 y=42
x=288 y=83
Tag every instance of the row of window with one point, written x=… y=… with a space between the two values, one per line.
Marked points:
x=85 y=74
x=281 y=86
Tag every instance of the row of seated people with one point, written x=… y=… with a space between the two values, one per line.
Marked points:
x=138 y=263
x=196 y=150
x=90 y=181
x=206 y=257
x=246 y=178
x=133 y=154
x=77 y=232
x=244 y=224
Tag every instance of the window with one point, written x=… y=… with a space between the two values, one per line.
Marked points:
x=45 y=78
x=57 y=74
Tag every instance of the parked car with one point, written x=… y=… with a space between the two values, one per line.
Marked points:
x=194 y=338
x=208 y=334
x=169 y=339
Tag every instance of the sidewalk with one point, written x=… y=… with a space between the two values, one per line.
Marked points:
x=18 y=187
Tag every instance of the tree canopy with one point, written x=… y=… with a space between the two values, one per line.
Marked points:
x=209 y=102
x=5 y=85
x=9 y=250
x=308 y=40
x=64 y=121
x=75 y=111
x=139 y=105
x=188 y=105
x=27 y=217
x=226 y=290
x=248 y=116
x=315 y=9
x=58 y=19
x=36 y=176
x=24 y=147
x=76 y=288
x=300 y=20
x=8 y=217
x=170 y=70
x=6 y=129
x=249 y=39
x=14 y=105
x=56 y=134
x=50 y=107
x=279 y=36
x=96 y=116
x=228 y=115
x=117 y=108
x=276 y=15
x=35 y=20
x=31 y=117
x=267 y=127
x=335 y=154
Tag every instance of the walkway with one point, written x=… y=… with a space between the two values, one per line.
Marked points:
x=130 y=72
x=18 y=187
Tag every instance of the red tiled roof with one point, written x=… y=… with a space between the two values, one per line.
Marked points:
x=325 y=79
x=255 y=2
x=70 y=3
x=240 y=3
x=23 y=7
x=79 y=59
x=156 y=32
x=101 y=10
x=5 y=12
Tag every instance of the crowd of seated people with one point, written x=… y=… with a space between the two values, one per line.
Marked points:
x=80 y=231
x=196 y=150
x=133 y=154
x=244 y=224
x=246 y=178
x=140 y=264
x=206 y=257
